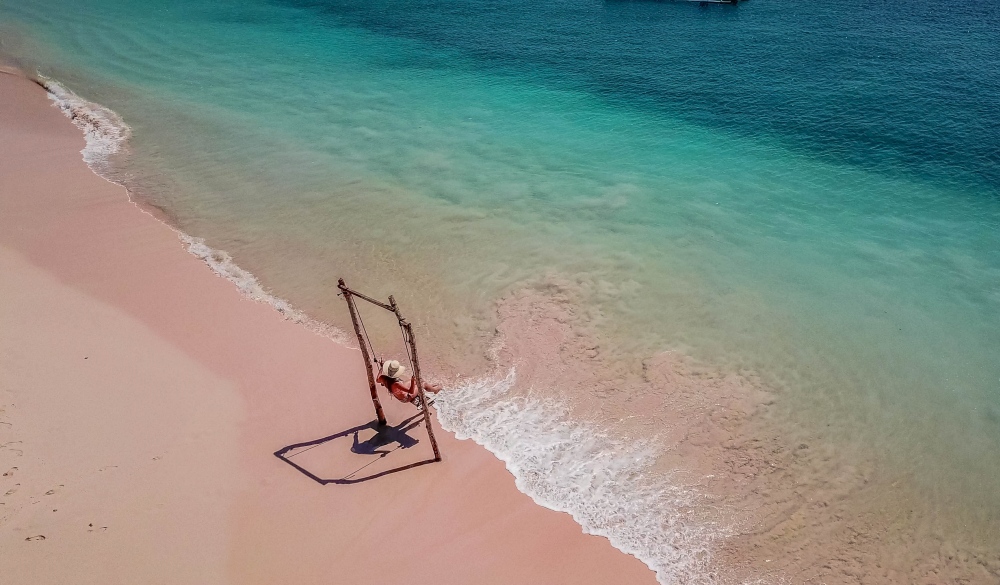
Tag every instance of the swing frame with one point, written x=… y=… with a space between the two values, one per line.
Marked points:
x=406 y=328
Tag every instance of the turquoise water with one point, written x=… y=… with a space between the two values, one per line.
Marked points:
x=810 y=192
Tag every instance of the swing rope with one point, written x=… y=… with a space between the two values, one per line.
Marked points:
x=371 y=347
x=377 y=361
x=406 y=345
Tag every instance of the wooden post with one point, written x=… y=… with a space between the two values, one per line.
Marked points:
x=364 y=352
x=416 y=374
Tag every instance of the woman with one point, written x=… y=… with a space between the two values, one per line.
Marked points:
x=391 y=376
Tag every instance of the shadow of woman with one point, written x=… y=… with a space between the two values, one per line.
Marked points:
x=378 y=445
x=386 y=436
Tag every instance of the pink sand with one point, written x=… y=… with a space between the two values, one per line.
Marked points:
x=142 y=400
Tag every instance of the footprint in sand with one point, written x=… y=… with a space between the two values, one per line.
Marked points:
x=7 y=445
x=52 y=491
x=11 y=491
x=36 y=537
x=10 y=472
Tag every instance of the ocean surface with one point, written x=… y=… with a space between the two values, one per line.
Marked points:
x=803 y=194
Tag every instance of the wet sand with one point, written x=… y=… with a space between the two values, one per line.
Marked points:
x=747 y=495
x=143 y=399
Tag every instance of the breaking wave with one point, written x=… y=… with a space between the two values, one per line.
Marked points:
x=104 y=130
x=223 y=265
x=106 y=135
x=563 y=465
x=573 y=467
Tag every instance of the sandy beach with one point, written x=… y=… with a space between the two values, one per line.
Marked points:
x=143 y=399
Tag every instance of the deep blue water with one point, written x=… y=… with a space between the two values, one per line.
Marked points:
x=899 y=86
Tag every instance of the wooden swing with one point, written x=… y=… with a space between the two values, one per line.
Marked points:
x=368 y=352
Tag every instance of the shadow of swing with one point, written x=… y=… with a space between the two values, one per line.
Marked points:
x=358 y=454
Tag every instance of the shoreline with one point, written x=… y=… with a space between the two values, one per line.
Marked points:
x=721 y=458
x=84 y=266
x=623 y=482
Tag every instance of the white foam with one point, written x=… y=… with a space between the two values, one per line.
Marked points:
x=222 y=264
x=561 y=464
x=106 y=135
x=104 y=130
x=573 y=467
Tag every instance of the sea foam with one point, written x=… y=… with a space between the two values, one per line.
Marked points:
x=573 y=467
x=563 y=465
x=104 y=130
x=223 y=265
x=106 y=134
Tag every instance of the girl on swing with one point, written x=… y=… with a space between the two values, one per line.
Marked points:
x=391 y=376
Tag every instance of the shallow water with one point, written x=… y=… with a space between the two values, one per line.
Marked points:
x=808 y=192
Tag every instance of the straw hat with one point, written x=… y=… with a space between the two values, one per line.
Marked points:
x=392 y=369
